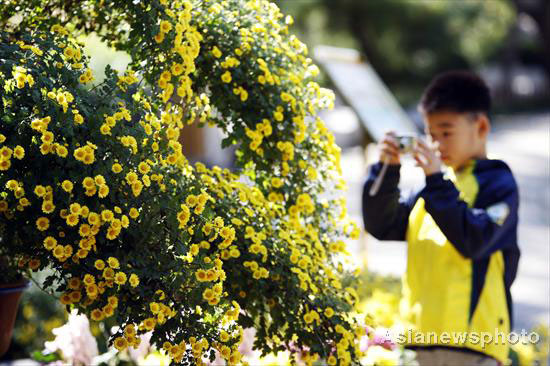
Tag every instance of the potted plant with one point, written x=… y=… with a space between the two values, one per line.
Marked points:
x=97 y=191
x=12 y=285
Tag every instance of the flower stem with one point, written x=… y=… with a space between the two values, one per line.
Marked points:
x=40 y=287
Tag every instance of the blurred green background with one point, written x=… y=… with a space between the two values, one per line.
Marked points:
x=408 y=41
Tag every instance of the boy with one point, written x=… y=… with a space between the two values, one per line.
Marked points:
x=461 y=229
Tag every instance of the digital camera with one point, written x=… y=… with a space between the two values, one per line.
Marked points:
x=406 y=143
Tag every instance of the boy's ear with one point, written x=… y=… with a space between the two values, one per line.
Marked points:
x=483 y=125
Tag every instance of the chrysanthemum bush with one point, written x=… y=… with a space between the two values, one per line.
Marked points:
x=95 y=187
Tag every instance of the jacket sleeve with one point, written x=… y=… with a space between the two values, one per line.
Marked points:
x=384 y=215
x=474 y=232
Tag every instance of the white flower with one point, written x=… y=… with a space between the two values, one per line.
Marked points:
x=75 y=341
x=143 y=349
x=377 y=355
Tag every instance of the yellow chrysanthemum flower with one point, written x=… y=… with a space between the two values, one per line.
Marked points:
x=30 y=80
x=65 y=299
x=105 y=130
x=5 y=153
x=108 y=274
x=88 y=279
x=277 y=182
x=88 y=183
x=72 y=220
x=165 y=26
x=48 y=207
x=107 y=215
x=94 y=218
x=224 y=336
x=208 y=294
x=69 y=52
x=226 y=77
x=134 y=213
x=99 y=180
x=154 y=307
x=75 y=208
x=176 y=69
x=58 y=251
x=74 y=283
x=89 y=159
x=117 y=168
x=82 y=253
x=75 y=296
x=134 y=280
x=5 y=165
x=216 y=52
x=112 y=232
x=78 y=119
x=108 y=310
x=113 y=301
x=61 y=151
x=50 y=242
x=183 y=216
x=131 y=178
x=149 y=323
x=121 y=343
x=99 y=265
x=103 y=191
x=43 y=223
x=144 y=168
x=19 y=152
x=120 y=278
x=113 y=262
x=67 y=186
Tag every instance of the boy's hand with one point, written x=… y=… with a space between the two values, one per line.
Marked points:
x=427 y=157
x=389 y=149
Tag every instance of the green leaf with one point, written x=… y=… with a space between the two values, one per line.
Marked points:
x=41 y=357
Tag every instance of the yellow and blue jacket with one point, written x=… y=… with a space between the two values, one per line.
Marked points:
x=462 y=254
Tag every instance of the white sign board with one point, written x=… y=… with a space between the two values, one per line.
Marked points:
x=364 y=91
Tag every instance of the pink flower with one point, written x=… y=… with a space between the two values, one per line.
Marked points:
x=382 y=338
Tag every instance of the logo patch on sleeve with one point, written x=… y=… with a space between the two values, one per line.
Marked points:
x=498 y=212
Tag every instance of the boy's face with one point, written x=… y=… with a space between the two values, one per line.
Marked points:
x=461 y=136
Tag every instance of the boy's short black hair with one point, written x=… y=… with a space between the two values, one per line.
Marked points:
x=456 y=91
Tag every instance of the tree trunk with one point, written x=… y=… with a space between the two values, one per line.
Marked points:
x=360 y=32
x=540 y=12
